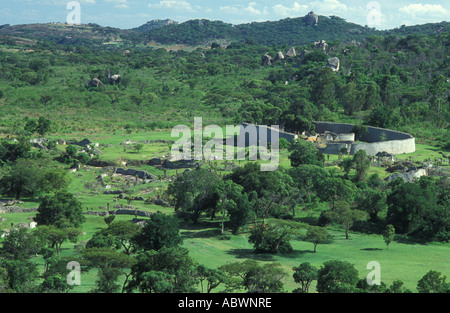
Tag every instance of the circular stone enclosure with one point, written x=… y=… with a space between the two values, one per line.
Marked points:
x=374 y=141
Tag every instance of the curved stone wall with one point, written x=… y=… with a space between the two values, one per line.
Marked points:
x=376 y=140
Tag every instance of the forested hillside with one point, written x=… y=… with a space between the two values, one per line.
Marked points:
x=203 y=32
x=290 y=31
x=387 y=81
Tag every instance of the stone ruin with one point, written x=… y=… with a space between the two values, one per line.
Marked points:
x=374 y=141
x=322 y=44
x=334 y=63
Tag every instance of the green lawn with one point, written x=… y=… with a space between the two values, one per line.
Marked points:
x=402 y=261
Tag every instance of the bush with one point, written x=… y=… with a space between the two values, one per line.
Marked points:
x=225 y=236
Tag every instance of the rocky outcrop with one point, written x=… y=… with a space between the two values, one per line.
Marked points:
x=334 y=63
x=83 y=142
x=112 y=192
x=408 y=176
x=291 y=52
x=135 y=173
x=180 y=164
x=95 y=82
x=322 y=44
x=311 y=18
x=114 y=79
x=280 y=56
x=266 y=59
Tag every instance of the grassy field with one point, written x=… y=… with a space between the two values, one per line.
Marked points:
x=402 y=261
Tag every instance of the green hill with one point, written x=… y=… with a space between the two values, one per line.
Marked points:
x=201 y=32
x=289 y=31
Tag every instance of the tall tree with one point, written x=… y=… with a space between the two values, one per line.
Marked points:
x=196 y=192
x=265 y=278
x=323 y=88
x=362 y=164
x=275 y=236
x=61 y=209
x=373 y=201
x=123 y=233
x=388 y=235
x=304 y=274
x=433 y=282
x=236 y=204
x=344 y=214
x=439 y=98
x=110 y=263
x=56 y=236
x=304 y=152
x=20 y=244
x=308 y=177
x=337 y=277
x=159 y=231
x=317 y=235
x=173 y=261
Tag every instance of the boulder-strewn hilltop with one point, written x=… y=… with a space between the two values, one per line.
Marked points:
x=290 y=31
x=154 y=24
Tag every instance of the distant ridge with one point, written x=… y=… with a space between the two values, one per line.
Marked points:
x=203 y=32
x=290 y=31
x=154 y=24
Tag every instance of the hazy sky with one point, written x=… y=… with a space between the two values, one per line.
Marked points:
x=382 y=14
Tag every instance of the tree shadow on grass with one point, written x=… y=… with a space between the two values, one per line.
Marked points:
x=296 y=254
x=251 y=254
x=371 y=249
x=201 y=234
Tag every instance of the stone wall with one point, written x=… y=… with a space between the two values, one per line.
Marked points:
x=16 y=209
x=376 y=140
x=247 y=128
x=119 y=212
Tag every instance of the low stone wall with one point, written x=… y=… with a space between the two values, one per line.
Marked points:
x=120 y=212
x=248 y=129
x=16 y=209
x=374 y=141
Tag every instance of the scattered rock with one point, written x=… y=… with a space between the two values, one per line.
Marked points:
x=114 y=79
x=321 y=44
x=333 y=63
x=180 y=164
x=155 y=161
x=266 y=59
x=135 y=173
x=95 y=82
x=291 y=52
x=112 y=192
x=408 y=176
x=279 y=56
